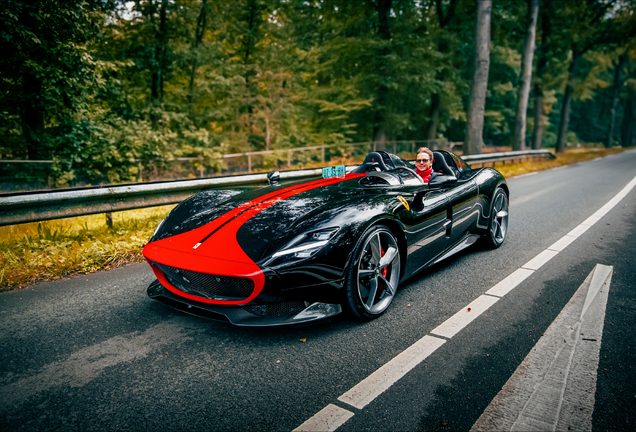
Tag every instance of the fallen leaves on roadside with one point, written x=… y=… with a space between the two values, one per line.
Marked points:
x=303 y=340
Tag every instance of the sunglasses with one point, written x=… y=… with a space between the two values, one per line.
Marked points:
x=421 y=160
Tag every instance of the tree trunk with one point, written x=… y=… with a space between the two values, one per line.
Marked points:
x=198 y=37
x=249 y=44
x=32 y=116
x=628 y=136
x=161 y=42
x=431 y=130
x=615 y=93
x=523 y=93
x=567 y=102
x=382 y=100
x=538 y=117
x=475 y=124
x=268 y=135
x=436 y=100
x=542 y=63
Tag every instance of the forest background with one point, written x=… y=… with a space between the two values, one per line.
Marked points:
x=107 y=88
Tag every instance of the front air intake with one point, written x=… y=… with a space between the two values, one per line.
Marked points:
x=209 y=286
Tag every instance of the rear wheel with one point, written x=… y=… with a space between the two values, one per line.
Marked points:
x=498 y=226
x=373 y=275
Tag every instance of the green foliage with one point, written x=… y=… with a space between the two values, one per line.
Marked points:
x=112 y=89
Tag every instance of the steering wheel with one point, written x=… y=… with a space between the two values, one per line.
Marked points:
x=410 y=170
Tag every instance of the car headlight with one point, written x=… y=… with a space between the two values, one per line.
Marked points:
x=307 y=245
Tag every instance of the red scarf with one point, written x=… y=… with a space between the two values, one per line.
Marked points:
x=426 y=174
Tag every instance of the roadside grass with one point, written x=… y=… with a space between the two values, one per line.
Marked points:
x=44 y=251
x=569 y=157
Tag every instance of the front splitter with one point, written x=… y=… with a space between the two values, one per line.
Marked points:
x=236 y=315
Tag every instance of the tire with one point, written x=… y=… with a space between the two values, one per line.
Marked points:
x=373 y=274
x=498 y=225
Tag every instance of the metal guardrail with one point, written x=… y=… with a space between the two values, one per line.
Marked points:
x=503 y=157
x=40 y=206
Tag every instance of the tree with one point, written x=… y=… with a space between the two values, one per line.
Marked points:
x=519 y=138
x=622 y=59
x=198 y=38
x=444 y=18
x=590 y=25
x=46 y=67
x=475 y=124
x=544 y=53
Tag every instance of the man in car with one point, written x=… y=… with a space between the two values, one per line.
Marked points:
x=424 y=163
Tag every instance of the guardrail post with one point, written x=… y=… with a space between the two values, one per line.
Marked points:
x=289 y=159
x=323 y=153
x=249 y=163
x=109 y=220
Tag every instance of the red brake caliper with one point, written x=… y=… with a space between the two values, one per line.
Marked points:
x=384 y=270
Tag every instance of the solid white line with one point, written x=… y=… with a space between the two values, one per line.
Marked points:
x=553 y=388
x=509 y=283
x=383 y=378
x=461 y=319
x=329 y=418
x=543 y=257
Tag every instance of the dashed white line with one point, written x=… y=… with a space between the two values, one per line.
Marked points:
x=509 y=283
x=461 y=319
x=383 y=378
x=329 y=418
x=538 y=261
x=562 y=243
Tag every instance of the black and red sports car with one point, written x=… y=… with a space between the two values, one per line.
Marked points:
x=296 y=253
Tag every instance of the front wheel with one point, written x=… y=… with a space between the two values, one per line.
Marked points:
x=373 y=274
x=498 y=226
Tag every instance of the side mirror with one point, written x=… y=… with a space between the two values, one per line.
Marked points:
x=442 y=181
x=273 y=178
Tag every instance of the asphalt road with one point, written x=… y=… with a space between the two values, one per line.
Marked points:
x=95 y=353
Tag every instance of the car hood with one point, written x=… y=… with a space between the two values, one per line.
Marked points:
x=241 y=226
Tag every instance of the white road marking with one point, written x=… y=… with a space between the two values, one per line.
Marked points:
x=562 y=243
x=364 y=394
x=461 y=319
x=536 y=262
x=579 y=230
x=329 y=418
x=383 y=378
x=509 y=283
x=553 y=388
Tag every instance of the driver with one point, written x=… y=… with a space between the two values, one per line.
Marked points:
x=424 y=163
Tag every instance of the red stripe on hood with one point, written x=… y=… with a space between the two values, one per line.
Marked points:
x=220 y=254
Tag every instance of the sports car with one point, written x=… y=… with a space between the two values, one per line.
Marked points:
x=289 y=254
